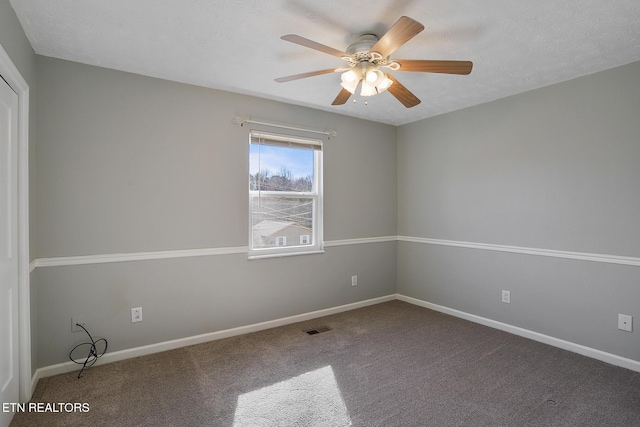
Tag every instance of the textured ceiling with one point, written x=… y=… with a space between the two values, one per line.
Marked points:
x=515 y=46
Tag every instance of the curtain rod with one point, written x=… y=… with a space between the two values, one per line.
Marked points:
x=241 y=121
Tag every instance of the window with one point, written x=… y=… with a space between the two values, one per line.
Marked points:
x=285 y=195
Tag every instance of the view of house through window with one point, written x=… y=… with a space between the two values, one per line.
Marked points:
x=285 y=183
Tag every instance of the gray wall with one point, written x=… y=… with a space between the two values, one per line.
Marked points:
x=556 y=168
x=126 y=163
x=16 y=44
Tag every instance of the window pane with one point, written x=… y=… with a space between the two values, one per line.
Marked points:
x=280 y=168
x=285 y=195
x=281 y=221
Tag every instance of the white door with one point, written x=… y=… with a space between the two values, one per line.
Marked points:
x=8 y=251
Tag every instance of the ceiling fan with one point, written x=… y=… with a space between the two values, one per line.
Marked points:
x=368 y=55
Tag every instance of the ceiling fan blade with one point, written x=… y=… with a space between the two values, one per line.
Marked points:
x=401 y=32
x=402 y=94
x=313 y=45
x=426 y=66
x=304 y=75
x=342 y=97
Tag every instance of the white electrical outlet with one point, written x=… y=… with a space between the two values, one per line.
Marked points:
x=506 y=297
x=625 y=322
x=354 y=280
x=136 y=315
x=75 y=321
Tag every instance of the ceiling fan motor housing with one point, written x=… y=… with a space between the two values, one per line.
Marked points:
x=359 y=50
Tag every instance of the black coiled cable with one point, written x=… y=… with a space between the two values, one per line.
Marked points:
x=92 y=348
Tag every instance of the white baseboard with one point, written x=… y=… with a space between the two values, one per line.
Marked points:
x=612 y=359
x=62 y=368
x=70 y=366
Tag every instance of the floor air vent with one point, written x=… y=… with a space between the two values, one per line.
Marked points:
x=318 y=330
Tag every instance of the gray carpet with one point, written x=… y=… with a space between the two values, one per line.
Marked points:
x=392 y=364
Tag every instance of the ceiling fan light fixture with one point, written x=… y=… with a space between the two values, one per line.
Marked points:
x=378 y=83
x=386 y=82
x=350 y=76
x=350 y=80
x=367 y=89
x=374 y=77
x=351 y=87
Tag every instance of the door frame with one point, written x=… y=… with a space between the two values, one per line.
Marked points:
x=13 y=77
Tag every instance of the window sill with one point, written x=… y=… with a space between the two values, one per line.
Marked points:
x=253 y=256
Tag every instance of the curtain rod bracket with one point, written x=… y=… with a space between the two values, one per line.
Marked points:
x=241 y=122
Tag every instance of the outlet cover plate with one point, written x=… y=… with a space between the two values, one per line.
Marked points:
x=506 y=297
x=625 y=322
x=74 y=321
x=136 y=314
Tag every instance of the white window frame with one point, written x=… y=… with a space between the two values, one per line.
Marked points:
x=316 y=237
